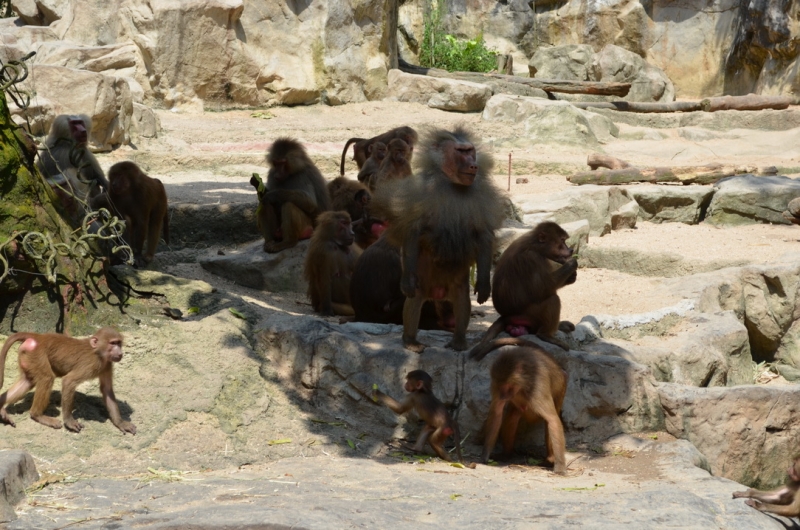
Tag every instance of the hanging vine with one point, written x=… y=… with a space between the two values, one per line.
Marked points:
x=43 y=248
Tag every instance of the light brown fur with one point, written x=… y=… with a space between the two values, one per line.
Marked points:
x=45 y=356
x=526 y=383
x=783 y=501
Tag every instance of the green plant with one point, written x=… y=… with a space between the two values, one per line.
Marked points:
x=441 y=50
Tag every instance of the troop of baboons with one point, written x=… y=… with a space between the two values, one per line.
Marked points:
x=394 y=246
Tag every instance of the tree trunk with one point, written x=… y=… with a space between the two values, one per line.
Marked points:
x=51 y=279
x=708 y=174
x=642 y=106
x=748 y=102
x=548 y=85
x=598 y=88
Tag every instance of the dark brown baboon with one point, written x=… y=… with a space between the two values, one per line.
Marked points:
x=444 y=219
x=69 y=167
x=526 y=280
x=526 y=382
x=142 y=201
x=783 y=501
x=396 y=165
x=361 y=147
x=350 y=196
x=329 y=264
x=376 y=296
x=353 y=197
x=438 y=424
x=294 y=196
x=44 y=356
x=377 y=152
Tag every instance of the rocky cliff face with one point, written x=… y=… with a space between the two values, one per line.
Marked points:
x=230 y=52
x=216 y=53
x=706 y=47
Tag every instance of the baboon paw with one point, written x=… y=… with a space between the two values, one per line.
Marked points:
x=127 y=427
x=5 y=419
x=413 y=345
x=72 y=425
x=457 y=345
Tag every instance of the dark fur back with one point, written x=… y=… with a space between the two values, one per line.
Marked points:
x=522 y=277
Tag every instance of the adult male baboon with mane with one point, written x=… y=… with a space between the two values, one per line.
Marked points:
x=444 y=220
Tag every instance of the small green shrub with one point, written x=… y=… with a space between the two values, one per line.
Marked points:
x=440 y=50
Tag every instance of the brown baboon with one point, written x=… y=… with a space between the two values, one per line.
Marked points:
x=142 y=201
x=294 y=196
x=444 y=218
x=526 y=382
x=396 y=165
x=438 y=423
x=526 y=280
x=376 y=296
x=377 y=152
x=329 y=264
x=783 y=501
x=44 y=356
x=361 y=147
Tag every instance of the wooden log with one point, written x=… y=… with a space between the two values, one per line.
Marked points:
x=598 y=88
x=624 y=176
x=748 y=102
x=596 y=160
x=708 y=174
x=641 y=106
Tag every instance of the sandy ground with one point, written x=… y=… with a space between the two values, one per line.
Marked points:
x=208 y=158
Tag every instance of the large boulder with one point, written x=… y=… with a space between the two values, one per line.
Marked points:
x=605 y=395
x=746 y=199
x=548 y=121
x=571 y=61
x=105 y=99
x=254 y=268
x=648 y=82
x=712 y=350
x=744 y=432
x=671 y=204
x=200 y=53
x=438 y=92
x=611 y=64
x=596 y=204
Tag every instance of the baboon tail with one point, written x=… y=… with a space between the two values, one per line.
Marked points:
x=344 y=153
